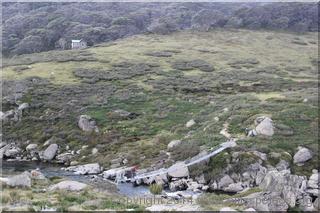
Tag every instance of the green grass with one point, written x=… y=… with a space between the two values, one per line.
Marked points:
x=166 y=99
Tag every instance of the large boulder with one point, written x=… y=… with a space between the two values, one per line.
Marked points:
x=50 y=152
x=87 y=124
x=21 y=180
x=178 y=170
x=69 y=186
x=265 y=127
x=91 y=168
x=302 y=156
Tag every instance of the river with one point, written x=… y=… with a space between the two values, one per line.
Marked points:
x=54 y=170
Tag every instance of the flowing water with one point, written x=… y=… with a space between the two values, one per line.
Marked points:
x=54 y=170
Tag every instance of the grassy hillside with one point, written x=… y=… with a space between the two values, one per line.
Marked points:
x=215 y=78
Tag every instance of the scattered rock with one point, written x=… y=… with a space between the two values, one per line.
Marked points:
x=313 y=181
x=190 y=123
x=11 y=151
x=94 y=151
x=174 y=143
x=68 y=185
x=282 y=165
x=64 y=157
x=87 y=124
x=124 y=114
x=261 y=155
x=302 y=156
x=50 y=152
x=265 y=127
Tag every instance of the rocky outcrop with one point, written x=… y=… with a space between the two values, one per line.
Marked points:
x=69 y=186
x=87 y=124
x=50 y=152
x=284 y=185
x=86 y=169
x=302 y=156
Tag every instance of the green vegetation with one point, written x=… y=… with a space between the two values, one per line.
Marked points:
x=156 y=189
x=252 y=76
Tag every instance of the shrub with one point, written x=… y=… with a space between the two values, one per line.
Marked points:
x=156 y=189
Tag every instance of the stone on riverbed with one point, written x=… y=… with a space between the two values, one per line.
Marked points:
x=68 y=185
x=91 y=168
x=50 y=152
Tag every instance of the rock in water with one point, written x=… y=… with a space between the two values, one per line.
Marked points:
x=21 y=180
x=265 y=127
x=69 y=186
x=302 y=156
x=50 y=152
x=174 y=143
x=91 y=168
x=87 y=124
x=178 y=170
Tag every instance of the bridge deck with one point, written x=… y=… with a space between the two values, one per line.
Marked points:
x=162 y=171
